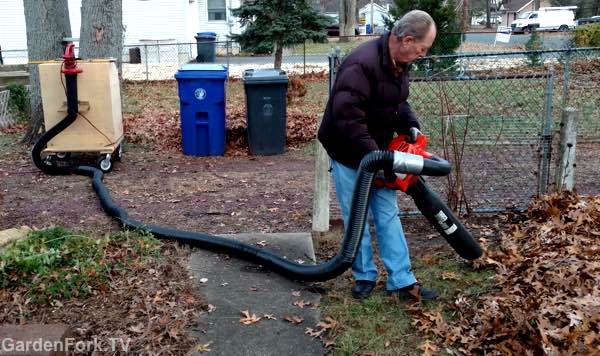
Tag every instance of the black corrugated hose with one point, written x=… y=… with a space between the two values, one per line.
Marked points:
x=372 y=163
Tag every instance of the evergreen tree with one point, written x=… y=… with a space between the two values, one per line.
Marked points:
x=443 y=13
x=271 y=25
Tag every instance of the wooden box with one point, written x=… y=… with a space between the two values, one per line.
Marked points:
x=99 y=127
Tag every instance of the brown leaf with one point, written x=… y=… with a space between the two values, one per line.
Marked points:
x=447 y=275
x=138 y=329
x=202 y=347
x=269 y=316
x=428 y=348
x=294 y=319
x=249 y=319
x=327 y=323
x=301 y=303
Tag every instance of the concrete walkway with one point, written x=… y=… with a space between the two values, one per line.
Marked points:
x=231 y=286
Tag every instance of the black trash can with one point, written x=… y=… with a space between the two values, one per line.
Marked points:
x=205 y=44
x=266 y=91
x=135 y=55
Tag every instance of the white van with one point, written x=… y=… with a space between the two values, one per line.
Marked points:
x=545 y=19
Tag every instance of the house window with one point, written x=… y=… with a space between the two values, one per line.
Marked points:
x=216 y=10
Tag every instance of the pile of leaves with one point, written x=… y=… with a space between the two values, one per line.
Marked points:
x=548 y=280
x=127 y=286
x=158 y=129
x=157 y=122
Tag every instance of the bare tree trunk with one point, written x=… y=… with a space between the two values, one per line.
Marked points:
x=278 y=54
x=101 y=30
x=488 y=14
x=347 y=19
x=47 y=23
x=465 y=16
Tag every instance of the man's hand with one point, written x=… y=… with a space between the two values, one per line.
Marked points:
x=413 y=132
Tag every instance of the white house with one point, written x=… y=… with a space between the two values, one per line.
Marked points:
x=144 y=21
x=379 y=13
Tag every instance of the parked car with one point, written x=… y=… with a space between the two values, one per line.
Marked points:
x=334 y=30
x=545 y=19
x=586 y=20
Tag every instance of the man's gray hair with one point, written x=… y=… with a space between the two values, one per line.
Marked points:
x=414 y=23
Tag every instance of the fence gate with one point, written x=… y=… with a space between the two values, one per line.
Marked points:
x=5 y=119
x=495 y=130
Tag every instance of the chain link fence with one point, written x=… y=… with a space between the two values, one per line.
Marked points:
x=493 y=109
x=496 y=117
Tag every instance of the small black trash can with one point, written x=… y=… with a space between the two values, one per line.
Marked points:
x=205 y=44
x=266 y=91
x=135 y=55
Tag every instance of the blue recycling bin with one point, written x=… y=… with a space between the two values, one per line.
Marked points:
x=202 y=108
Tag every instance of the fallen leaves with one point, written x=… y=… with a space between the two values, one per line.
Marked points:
x=249 y=319
x=548 y=300
x=294 y=319
x=326 y=330
x=154 y=119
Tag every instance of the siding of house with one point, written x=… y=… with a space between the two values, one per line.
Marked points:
x=178 y=20
x=155 y=20
x=378 y=14
x=12 y=25
x=221 y=28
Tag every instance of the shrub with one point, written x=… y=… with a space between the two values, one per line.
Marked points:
x=18 y=101
x=534 y=44
x=588 y=35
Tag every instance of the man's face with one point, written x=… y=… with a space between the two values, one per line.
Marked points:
x=412 y=48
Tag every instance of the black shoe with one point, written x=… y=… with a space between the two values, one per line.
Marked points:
x=414 y=292
x=362 y=289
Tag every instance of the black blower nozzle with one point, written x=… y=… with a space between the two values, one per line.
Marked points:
x=444 y=221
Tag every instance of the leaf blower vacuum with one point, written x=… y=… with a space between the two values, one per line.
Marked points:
x=429 y=203
x=400 y=162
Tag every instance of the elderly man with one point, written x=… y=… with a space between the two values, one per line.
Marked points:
x=368 y=104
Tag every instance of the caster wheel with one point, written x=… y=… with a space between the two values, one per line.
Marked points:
x=63 y=155
x=105 y=163
x=50 y=160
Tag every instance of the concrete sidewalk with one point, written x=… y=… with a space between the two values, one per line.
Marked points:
x=232 y=285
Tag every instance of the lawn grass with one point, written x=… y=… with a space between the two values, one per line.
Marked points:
x=380 y=325
x=326 y=48
x=56 y=264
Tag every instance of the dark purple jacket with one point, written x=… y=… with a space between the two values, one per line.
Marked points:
x=367 y=105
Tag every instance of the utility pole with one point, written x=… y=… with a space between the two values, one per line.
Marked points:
x=488 y=14
x=465 y=16
x=371 y=20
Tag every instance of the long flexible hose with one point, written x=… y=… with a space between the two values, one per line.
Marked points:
x=371 y=163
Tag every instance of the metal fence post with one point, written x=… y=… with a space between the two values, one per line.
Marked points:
x=333 y=62
x=227 y=52
x=565 y=162
x=1 y=59
x=566 y=75
x=146 y=60
x=304 y=56
x=546 y=139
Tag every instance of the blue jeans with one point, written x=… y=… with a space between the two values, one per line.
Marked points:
x=393 y=249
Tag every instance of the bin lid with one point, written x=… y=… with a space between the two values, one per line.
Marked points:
x=265 y=76
x=207 y=34
x=202 y=70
